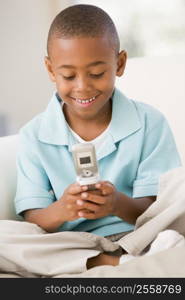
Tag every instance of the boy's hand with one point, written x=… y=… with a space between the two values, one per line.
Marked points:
x=67 y=204
x=100 y=203
x=67 y=207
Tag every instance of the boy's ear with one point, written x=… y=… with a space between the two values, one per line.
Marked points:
x=121 y=63
x=49 y=68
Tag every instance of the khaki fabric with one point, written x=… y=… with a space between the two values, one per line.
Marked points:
x=28 y=251
x=164 y=264
x=168 y=211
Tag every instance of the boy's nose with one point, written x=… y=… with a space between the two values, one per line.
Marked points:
x=83 y=84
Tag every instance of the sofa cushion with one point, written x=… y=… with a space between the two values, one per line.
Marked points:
x=8 y=150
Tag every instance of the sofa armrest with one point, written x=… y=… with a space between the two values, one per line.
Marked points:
x=8 y=150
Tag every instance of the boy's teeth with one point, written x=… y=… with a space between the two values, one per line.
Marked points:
x=85 y=101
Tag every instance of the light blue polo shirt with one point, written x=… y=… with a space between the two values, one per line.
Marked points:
x=139 y=147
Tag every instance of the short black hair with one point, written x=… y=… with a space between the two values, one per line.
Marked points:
x=83 y=21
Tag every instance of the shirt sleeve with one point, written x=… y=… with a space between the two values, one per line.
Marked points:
x=33 y=186
x=159 y=155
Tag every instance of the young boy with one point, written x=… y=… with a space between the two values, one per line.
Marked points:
x=133 y=141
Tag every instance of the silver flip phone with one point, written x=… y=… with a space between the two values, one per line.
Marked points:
x=86 y=166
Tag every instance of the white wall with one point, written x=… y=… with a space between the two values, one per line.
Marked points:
x=160 y=82
x=25 y=88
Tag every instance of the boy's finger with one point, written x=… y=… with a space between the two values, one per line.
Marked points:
x=76 y=188
x=105 y=186
x=94 y=198
x=87 y=205
x=87 y=214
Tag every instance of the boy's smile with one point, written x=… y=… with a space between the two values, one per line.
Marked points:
x=85 y=102
x=84 y=70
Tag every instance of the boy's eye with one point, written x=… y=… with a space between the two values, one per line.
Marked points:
x=97 y=75
x=91 y=75
x=68 y=77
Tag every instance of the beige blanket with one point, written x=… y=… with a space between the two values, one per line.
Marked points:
x=168 y=212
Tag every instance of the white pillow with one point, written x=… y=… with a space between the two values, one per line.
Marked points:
x=8 y=149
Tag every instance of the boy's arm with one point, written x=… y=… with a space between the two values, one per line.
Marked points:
x=63 y=210
x=130 y=209
x=47 y=218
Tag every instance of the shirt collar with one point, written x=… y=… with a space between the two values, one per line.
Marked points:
x=54 y=129
x=125 y=118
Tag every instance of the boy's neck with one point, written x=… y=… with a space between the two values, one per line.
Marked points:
x=89 y=129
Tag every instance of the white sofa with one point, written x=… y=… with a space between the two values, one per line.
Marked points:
x=159 y=81
x=8 y=150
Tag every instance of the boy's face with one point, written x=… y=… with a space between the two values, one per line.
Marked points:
x=84 y=70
